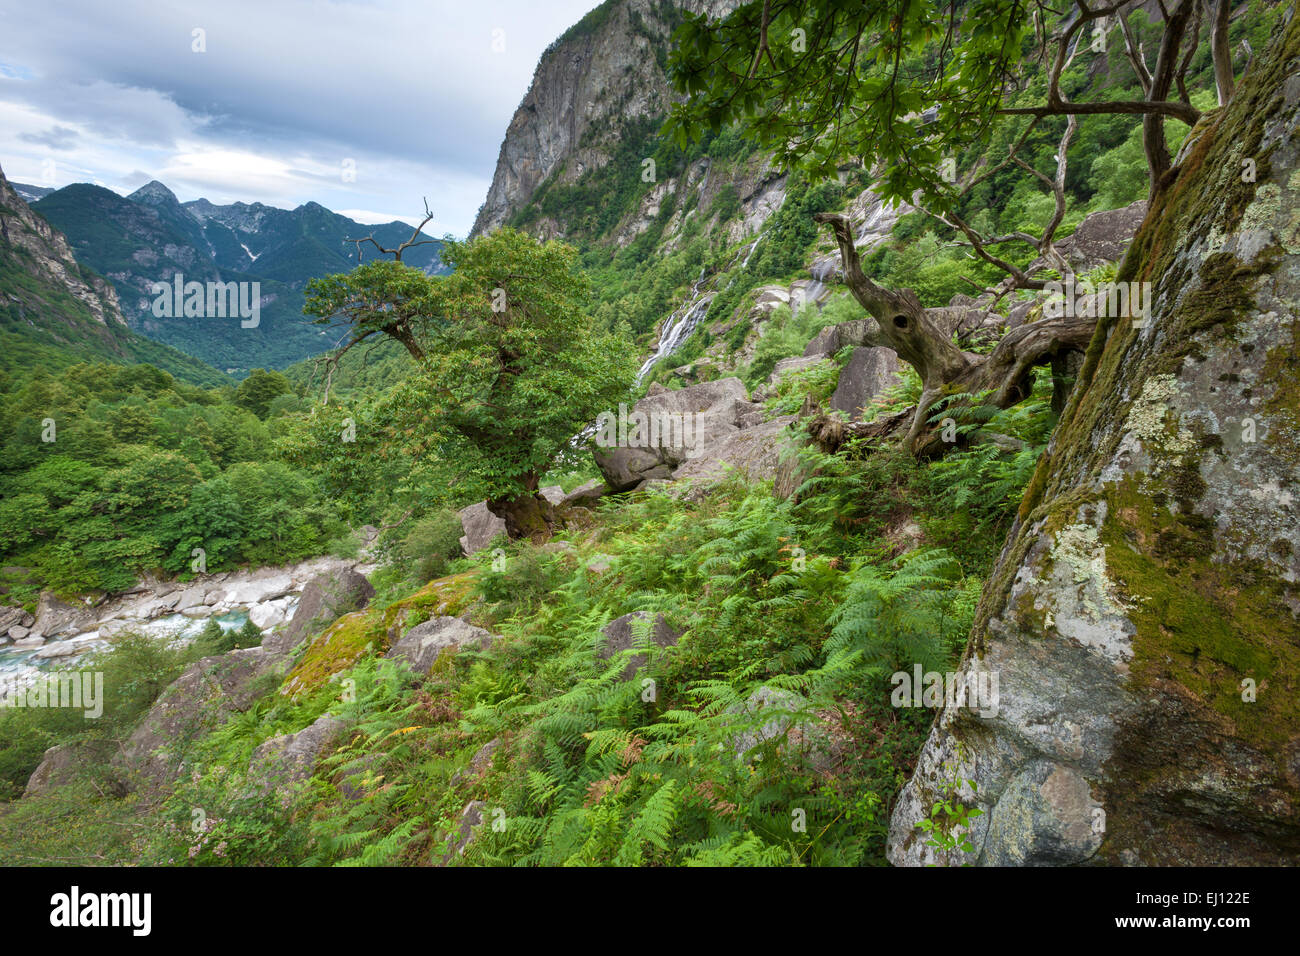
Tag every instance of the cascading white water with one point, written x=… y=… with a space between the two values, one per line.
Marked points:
x=21 y=668
x=679 y=326
x=683 y=322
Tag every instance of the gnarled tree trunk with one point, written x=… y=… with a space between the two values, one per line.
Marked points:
x=528 y=515
x=902 y=325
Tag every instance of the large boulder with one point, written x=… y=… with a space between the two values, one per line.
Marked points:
x=772 y=714
x=869 y=373
x=66 y=763
x=586 y=495
x=755 y=451
x=481 y=528
x=55 y=617
x=288 y=759
x=326 y=597
x=11 y=617
x=620 y=636
x=203 y=696
x=835 y=337
x=667 y=428
x=191 y=597
x=269 y=615
x=1102 y=237
x=1141 y=621
x=420 y=646
x=57 y=649
x=262 y=585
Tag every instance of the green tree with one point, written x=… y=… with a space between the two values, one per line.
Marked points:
x=260 y=389
x=905 y=90
x=509 y=365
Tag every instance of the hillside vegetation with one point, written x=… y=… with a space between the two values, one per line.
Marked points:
x=703 y=672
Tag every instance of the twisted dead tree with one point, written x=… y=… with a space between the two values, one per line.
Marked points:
x=389 y=305
x=1006 y=375
x=898 y=89
x=901 y=323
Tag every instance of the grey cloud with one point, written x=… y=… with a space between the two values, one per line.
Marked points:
x=56 y=137
x=410 y=89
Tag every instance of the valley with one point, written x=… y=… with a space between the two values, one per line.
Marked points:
x=862 y=482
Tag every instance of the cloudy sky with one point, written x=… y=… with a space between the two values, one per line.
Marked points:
x=364 y=106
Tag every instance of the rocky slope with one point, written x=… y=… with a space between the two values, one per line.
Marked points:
x=52 y=258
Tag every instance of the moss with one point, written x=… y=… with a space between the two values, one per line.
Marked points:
x=354 y=635
x=1224 y=294
x=448 y=597
x=341 y=645
x=1207 y=197
x=1206 y=624
x=1187 y=485
x=1281 y=369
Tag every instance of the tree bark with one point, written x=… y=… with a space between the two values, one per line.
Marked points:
x=526 y=516
x=1221 y=51
x=1162 y=82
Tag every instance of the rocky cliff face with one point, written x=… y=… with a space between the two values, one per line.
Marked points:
x=50 y=257
x=1143 y=617
x=571 y=167
x=604 y=72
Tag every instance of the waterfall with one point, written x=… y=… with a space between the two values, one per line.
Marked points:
x=679 y=326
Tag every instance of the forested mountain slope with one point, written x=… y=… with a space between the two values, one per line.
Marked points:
x=150 y=237
x=907 y=468
x=56 y=311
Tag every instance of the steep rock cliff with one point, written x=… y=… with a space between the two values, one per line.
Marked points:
x=52 y=303
x=50 y=257
x=605 y=71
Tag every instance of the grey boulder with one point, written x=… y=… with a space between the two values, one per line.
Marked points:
x=422 y=644
x=326 y=597
x=869 y=373
x=620 y=636
x=481 y=528
x=291 y=758
x=206 y=693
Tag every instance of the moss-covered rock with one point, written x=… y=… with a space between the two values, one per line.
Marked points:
x=373 y=630
x=1143 y=618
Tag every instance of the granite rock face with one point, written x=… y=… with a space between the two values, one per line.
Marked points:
x=480 y=526
x=51 y=257
x=687 y=433
x=599 y=76
x=1142 y=618
x=325 y=598
x=869 y=373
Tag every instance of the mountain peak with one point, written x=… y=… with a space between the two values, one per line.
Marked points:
x=153 y=193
